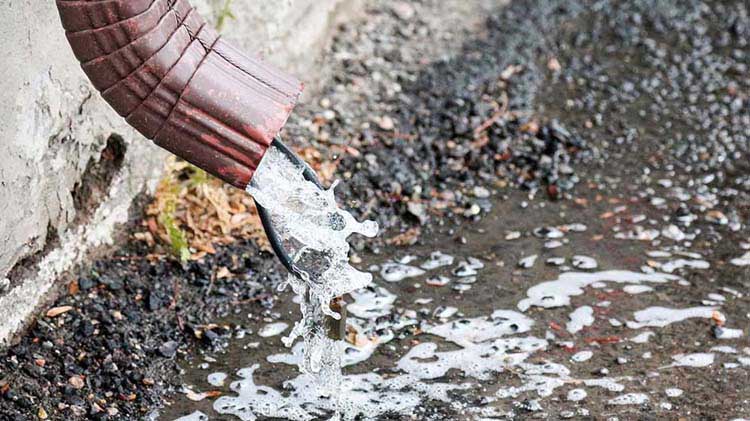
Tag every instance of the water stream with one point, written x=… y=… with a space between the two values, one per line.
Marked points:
x=314 y=230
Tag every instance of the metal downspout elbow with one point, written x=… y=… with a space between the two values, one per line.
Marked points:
x=172 y=77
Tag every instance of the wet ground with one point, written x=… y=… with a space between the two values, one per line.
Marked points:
x=625 y=358
x=609 y=140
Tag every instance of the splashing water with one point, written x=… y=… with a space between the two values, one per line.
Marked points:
x=314 y=231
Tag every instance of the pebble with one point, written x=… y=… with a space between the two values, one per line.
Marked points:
x=168 y=349
x=674 y=233
x=386 y=123
x=481 y=192
x=403 y=10
x=77 y=382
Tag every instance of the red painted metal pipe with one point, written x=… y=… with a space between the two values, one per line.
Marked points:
x=172 y=77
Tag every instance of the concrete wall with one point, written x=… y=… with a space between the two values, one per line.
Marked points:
x=53 y=126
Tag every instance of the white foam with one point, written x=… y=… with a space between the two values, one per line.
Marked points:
x=642 y=338
x=629 y=399
x=584 y=262
x=352 y=353
x=582 y=356
x=395 y=272
x=272 y=329
x=673 y=392
x=371 y=302
x=216 y=379
x=701 y=359
x=468 y=267
x=663 y=316
x=438 y=281
x=577 y=395
x=673 y=233
x=465 y=332
x=367 y=395
x=548 y=232
x=580 y=318
x=605 y=383
x=743 y=260
x=724 y=349
x=445 y=312
x=512 y=235
x=717 y=297
x=437 y=260
x=658 y=253
x=195 y=416
x=527 y=262
x=638 y=233
x=555 y=261
x=553 y=244
x=424 y=361
x=637 y=289
x=726 y=333
x=542 y=378
x=673 y=265
x=575 y=227
x=557 y=293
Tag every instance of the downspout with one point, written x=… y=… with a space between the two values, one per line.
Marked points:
x=175 y=80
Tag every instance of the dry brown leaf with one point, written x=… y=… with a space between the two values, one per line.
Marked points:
x=56 y=311
x=407 y=238
x=223 y=272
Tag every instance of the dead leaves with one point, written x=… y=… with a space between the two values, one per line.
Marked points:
x=192 y=212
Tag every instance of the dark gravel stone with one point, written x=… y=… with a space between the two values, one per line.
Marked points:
x=168 y=349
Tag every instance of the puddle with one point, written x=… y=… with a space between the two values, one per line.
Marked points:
x=417 y=345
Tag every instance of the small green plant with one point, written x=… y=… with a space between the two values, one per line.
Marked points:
x=198 y=177
x=223 y=14
x=177 y=239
